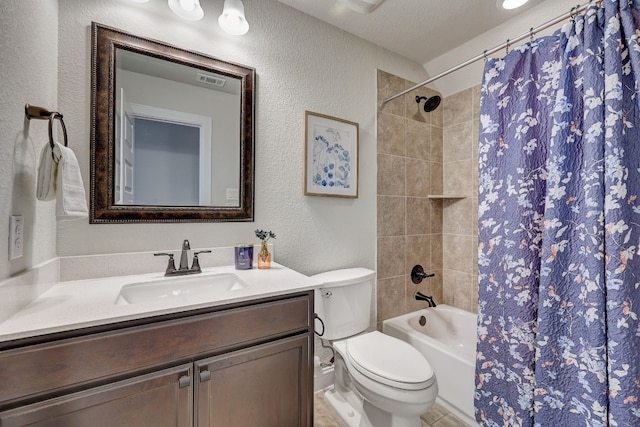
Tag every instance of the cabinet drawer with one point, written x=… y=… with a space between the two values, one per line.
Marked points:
x=40 y=369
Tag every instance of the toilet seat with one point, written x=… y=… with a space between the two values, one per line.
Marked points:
x=389 y=361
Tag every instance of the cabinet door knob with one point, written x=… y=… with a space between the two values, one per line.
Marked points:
x=184 y=381
x=205 y=375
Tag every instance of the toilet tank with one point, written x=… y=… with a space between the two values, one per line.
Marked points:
x=343 y=302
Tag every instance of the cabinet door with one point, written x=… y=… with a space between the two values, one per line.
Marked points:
x=159 y=399
x=268 y=385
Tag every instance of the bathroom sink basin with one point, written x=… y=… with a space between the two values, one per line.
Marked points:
x=186 y=288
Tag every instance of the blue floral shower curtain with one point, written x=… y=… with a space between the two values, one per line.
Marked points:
x=559 y=227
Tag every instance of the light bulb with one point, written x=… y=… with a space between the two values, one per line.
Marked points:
x=232 y=19
x=513 y=4
x=187 y=5
x=187 y=9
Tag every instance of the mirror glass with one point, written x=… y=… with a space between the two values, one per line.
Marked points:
x=172 y=133
x=164 y=139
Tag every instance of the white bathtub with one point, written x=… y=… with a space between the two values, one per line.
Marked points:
x=448 y=341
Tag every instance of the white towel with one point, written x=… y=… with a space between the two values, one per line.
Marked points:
x=71 y=200
x=47 y=169
x=59 y=178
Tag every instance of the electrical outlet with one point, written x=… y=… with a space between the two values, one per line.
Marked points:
x=16 y=236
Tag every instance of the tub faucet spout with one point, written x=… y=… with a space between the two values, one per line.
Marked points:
x=428 y=299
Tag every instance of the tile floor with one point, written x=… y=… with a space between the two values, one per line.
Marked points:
x=436 y=417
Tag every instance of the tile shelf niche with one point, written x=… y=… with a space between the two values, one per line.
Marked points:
x=446 y=196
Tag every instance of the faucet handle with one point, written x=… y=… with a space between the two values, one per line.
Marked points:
x=196 y=264
x=171 y=265
x=417 y=274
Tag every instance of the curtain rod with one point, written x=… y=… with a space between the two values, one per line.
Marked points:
x=571 y=14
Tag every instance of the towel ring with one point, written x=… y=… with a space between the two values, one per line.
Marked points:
x=40 y=113
x=55 y=115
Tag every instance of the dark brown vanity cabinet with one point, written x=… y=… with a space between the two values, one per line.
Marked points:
x=243 y=365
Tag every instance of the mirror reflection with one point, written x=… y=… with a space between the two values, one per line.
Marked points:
x=171 y=133
x=176 y=134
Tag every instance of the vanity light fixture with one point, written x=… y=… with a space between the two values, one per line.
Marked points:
x=187 y=9
x=232 y=19
x=512 y=4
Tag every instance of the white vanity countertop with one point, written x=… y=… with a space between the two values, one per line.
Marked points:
x=91 y=302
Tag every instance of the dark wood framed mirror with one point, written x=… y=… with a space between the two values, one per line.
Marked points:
x=172 y=133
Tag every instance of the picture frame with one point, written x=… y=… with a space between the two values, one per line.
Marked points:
x=330 y=156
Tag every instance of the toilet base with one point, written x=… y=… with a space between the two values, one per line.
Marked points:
x=347 y=406
x=353 y=411
x=372 y=416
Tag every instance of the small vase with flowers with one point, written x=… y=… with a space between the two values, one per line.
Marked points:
x=264 y=256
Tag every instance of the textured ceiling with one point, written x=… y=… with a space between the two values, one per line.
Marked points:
x=420 y=30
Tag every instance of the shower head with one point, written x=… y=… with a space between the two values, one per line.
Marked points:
x=430 y=103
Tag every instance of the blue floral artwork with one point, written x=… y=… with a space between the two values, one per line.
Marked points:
x=331 y=158
x=331 y=161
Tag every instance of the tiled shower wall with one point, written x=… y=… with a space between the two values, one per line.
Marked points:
x=460 y=216
x=410 y=160
x=422 y=154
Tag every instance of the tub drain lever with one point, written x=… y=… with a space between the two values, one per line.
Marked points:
x=417 y=274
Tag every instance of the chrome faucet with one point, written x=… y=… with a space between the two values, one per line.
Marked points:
x=184 y=261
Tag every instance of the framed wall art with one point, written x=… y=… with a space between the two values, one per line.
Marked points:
x=331 y=156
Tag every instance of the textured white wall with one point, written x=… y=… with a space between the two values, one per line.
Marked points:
x=28 y=48
x=472 y=74
x=301 y=64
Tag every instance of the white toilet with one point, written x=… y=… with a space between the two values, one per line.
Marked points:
x=380 y=381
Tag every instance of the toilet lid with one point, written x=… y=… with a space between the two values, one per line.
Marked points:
x=389 y=361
